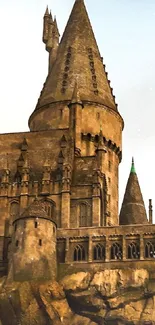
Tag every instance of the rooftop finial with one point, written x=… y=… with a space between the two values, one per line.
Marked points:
x=133 y=166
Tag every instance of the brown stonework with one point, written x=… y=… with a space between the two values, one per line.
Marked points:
x=133 y=209
x=59 y=188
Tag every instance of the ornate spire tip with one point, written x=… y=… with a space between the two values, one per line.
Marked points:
x=133 y=166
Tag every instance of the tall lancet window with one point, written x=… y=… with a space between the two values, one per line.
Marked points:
x=79 y=253
x=150 y=250
x=83 y=215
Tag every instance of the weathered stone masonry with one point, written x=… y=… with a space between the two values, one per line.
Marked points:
x=59 y=181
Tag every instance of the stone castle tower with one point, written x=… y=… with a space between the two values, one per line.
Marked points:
x=33 y=245
x=69 y=160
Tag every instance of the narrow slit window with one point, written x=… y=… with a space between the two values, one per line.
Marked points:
x=109 y=165
x=15 y=227
x=17 y=243
x=36 y=224
x=40 y=242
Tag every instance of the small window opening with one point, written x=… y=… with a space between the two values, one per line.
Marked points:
x=49 y=211
x=17 y=243
x=109 y=165
x=53 y=230
x=40 y=242
x=15 y=227
x=98 y=116
x=36 y=224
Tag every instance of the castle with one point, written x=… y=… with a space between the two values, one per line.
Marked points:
x=59 y=181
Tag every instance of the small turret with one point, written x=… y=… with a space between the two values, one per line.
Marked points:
x=133 y=210
x=46 y=25
x=33 y=245
x=150 y=212
x=53 y=41
x=49 y=42
x=100 y=152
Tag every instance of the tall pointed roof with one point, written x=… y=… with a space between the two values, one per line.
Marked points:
x=56 y=29
x=133 y=209
x=78 y=56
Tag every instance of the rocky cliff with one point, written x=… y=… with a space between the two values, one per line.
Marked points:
x=107 y=297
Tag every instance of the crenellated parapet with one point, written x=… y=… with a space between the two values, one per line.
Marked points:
x=106 y=142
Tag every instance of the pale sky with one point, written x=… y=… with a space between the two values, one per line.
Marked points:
x=124 y=31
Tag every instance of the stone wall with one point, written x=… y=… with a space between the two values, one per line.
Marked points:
x=33 y=250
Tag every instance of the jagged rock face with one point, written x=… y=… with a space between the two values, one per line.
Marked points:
x=111 y=297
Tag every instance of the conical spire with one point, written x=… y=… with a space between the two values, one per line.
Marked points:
x=46 y=12
x=78 y=54
x=133 y=209
x=56 y=29
x=50 y=16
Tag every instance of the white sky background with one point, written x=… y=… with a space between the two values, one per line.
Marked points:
x=125 y=32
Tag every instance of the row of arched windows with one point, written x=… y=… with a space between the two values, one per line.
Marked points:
x=99 y=252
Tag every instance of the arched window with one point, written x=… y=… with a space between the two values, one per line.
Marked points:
x=133 y=251
x=99 y=252
x=83 y=215
x=150 y=250
x=116 y=251
x=17 y=177
x=14 y=210
x=79 y=253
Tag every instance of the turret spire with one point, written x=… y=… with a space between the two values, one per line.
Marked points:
x=50 y=15
x=46 y=25
x=78 y=54
x=56 y=29
x=46 y=12
x=133 y=209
